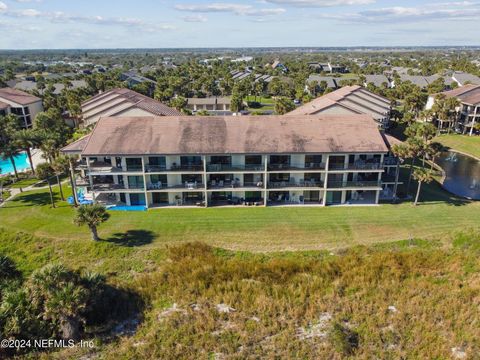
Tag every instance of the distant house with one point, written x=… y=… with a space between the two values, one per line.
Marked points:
x=331 y=82
x=377 y=80
x=349 y=100
x=123 y=102
x=469 y=111
x=337 y=69
x=242 y=59
x=462 y=78
x=58 y=87
x=22 y=104
x=278 y=65
x=133 y=79
x=210 y=104
x=240 y=75
x=419 y=80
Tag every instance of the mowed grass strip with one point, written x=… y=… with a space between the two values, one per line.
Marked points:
x=464 y=143
x=253 y=228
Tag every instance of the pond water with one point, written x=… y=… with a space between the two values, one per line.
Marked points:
x=462 y=174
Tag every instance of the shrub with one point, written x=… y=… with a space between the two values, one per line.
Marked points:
x=343 y=339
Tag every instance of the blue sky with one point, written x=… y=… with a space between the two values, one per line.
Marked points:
x=30 y=24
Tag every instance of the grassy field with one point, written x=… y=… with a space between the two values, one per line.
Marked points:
x=412 y=300
x=260 y=99
x=252 y=229
x=463 y=143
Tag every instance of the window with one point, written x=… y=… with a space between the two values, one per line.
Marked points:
x=134 y=164
x=191 y=160
x=253 y=159
x=157 y=161
x=224 y=160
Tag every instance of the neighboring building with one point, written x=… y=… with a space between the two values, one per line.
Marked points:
x=222 y=160
x=240 y=75
x=123 y=102
x=330 y=81
x=210 y=104
x=349 y=100
x=377 y=80
x=242 y=59
x=133 y=79
x=20 y=103
x=469 y=111
x=462 y=78
x=337 y=69
x=27 y=85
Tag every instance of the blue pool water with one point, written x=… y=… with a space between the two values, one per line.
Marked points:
x=127 y=208
x=21 y=161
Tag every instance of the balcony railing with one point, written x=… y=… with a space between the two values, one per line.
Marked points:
x=234 y=185
x=229 y=167
x=355 y=166
x=390 y=161
x=110 y=187
x=354 y=184
x=292 y=184
x=176 y=168
x=187 y=186
x=308 y=166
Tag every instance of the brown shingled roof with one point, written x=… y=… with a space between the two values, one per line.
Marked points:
x=467 y=94
x=18 y=96
x=345 y=97
x=137 y=100
x=235 y=135
x=76 y=146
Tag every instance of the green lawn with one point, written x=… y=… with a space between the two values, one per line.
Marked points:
x=27 y=182
x=254 y=229
x=463 y=143
x=260 y=99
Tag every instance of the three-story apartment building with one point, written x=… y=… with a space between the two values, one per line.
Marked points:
x=23 y=105
x=248 y=160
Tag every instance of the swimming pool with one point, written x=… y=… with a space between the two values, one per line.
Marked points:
x=127 y=208
x=21 y=162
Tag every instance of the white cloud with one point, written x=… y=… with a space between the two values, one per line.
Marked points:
x=195 y=18
x=3 y=7
x=61 y=17
x=319 y=3
x=237 y=9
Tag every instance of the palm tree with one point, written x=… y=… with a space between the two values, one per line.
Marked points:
x=61 y=165
x=9 y=151
x=422 y=176
x=27 y=139
x=284 y=105
x=59 y=296
x=92 y=216
x=64 y=164
x=45 y=172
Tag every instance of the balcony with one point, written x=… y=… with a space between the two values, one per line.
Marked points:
x=173 y=168
x=233 y=168
x=308 y=166
x=113 y=187
x=186 y=186
x=390 y=161
x=106 y=168
x=214 y=185
x=356 y=166
x=353 y=184
x=293 y=184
